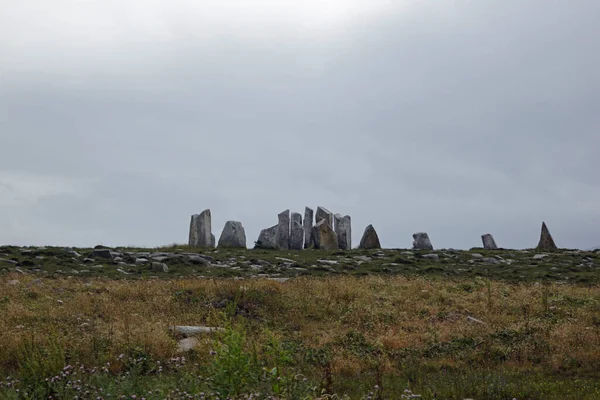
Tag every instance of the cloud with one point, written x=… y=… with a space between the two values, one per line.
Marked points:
x=457 y=118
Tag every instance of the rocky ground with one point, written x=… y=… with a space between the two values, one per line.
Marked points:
x=181 y=261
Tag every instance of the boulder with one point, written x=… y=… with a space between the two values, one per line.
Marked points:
x=296 y=235
x=546 y=241
x=488 y=242
x=323 y=213
x=324 y=237
x=233 y=235
x=282 y=239
x=200 y=230
x=159 y=267
x=308 y=225
x=343 y=230
x=102 y=253
x=369 y=240
x=267 y=238
x=421 y=241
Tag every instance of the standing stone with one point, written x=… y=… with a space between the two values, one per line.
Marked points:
x=267 y=238
x=283 y=231
x=546 y=241
x=323 y=213
x=200 y=230
x=296 y=234
x=297 y=217
x=343 y=230
x=369 y=240
x=488 y=242
x=308 y=225
x=324 y=237
x=422 y=242
x=233 y=235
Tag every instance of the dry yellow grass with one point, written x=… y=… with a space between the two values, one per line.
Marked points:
x=554 y=327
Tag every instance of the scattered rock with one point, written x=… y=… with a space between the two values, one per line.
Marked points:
x=188 y=331
x=343 y=230
x=421 y=241
x=279 y=280
x=13 y=262
x=330 y=262
x=546 y=241
x=160 y=267
x=282 y=238
x=198 y=260
x=490 y=260
x=201 y=230
x=139 y=260
x=35 y=282
x=102 y=253
x=369 y=240
x=539 y=256
x=475 y=320
x=432 y=257
x=477 y=255
x=324 y=237
x=187 y=344
x=488 y=242
x=122 y=271
x=233 y=235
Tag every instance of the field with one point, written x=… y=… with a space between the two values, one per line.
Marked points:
x=387 y=324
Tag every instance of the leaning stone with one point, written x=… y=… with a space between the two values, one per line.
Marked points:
x=370 y=239
x=282 y=239
x=343 y=230
x=159 y=267
x=233 y=235
x=188 y=331
x=488 y=242
x=421 y=241
x=296 y=235
x=546 y=241
x=308 y=224
x=324 y=237
x=267 y=238
x=323 y=213
x=200 y=230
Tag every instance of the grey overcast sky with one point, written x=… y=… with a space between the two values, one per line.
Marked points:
x=121 y=118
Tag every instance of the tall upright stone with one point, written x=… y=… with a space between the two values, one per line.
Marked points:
x=283 y=230
x=488 y=242
x=233 y=235
x=200 y=230
x=308 y=225
x=296 y=232
x=546 y=241
x=323 y=213
x=343 y=230
x=421 y=241
x=324 y=237
x=369 y=240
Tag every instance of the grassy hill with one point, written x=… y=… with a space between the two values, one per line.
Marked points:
x=376 y=324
